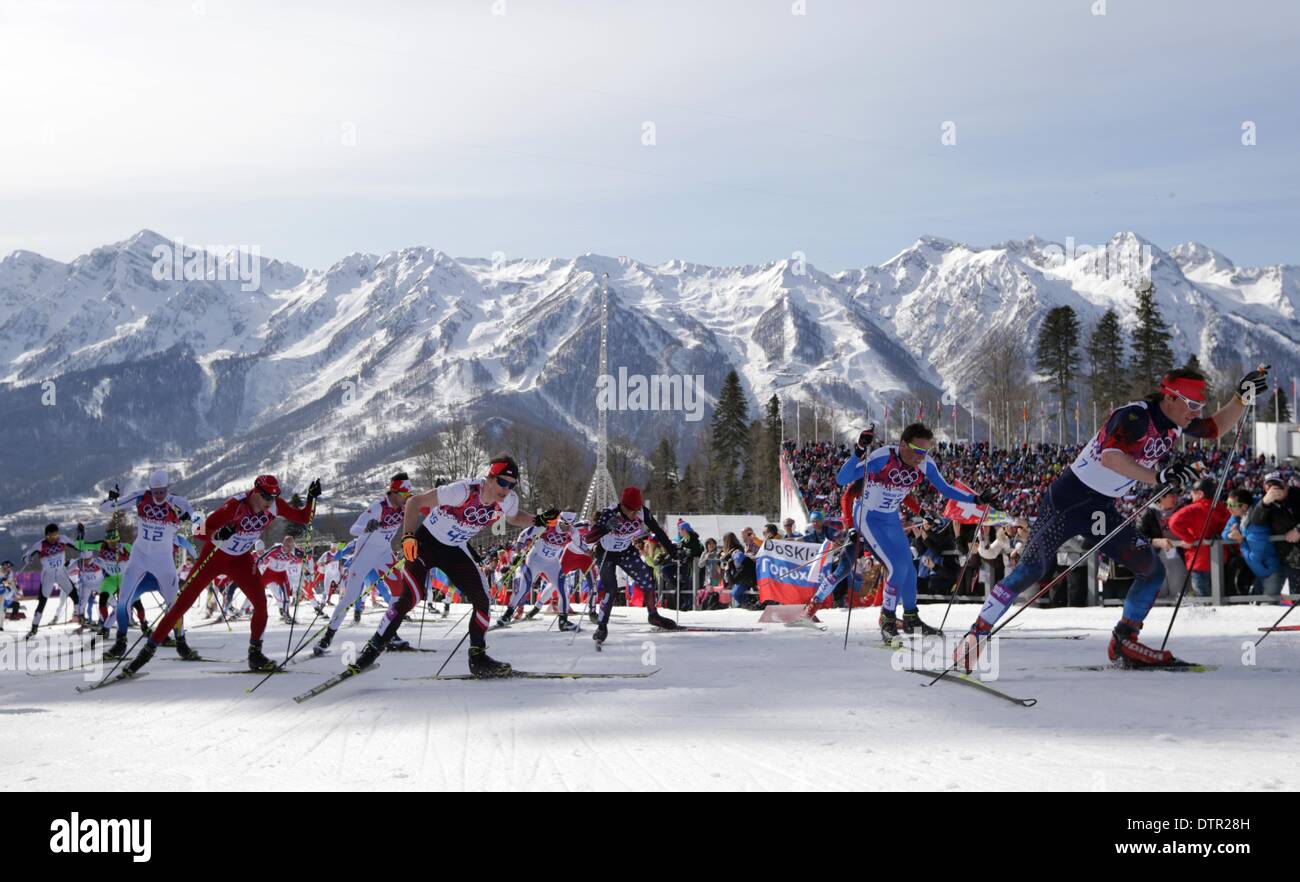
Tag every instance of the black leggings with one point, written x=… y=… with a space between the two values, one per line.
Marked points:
x=629 y=561
x=462 y=571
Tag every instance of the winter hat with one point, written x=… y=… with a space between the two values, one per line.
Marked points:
x=158 y=480
x=682 y=525
x=632 y=498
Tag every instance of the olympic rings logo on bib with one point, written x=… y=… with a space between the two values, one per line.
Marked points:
x=477 y=516
x=904 y=476
x=1157 y=447
x=250 y=524
x=154 y=512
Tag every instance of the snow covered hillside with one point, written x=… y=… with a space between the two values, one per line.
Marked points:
x=339 y=371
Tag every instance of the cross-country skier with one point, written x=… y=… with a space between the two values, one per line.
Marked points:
x=8 y=592
x=53 y=552
x=278 y=565
x=1081 y=502
x=543 y=561
x=373 y=550
x=101 y=570
x=457 y=513
x=889 y=474
x=611 y=534
x=232 y=531
x=158 y=513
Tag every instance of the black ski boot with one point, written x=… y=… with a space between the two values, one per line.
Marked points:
x=142 y=657
x=912 y=623
x=31 y=633
x=888 y=627
x=565 y=625
x=374 y=646
x=601 y=633
x=118 y=649
x=356 y=616
x=184 y=650
x=397 y=644
x=532 y=613
x=323 y=645
x=657 y=621
x=257 y=660
x=483 y=665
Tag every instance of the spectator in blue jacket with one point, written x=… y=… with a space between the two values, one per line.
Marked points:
x=1256 y=549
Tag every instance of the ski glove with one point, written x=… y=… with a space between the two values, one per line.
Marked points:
x=410 y=547
x=1253 y=385
x=81 y=532
x=865 y=440
x=1178 y=475
x=114 y=494
x=313 y=489
x=223 y=534
x=372 y=525
x=987 y=497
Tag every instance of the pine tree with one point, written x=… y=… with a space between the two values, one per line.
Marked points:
x=1058 y=352
x=664 y=480
x=1152 y=357
x=1106 y=380
x=730 y=440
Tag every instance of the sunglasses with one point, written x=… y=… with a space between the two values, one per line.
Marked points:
x=1193 y=406
x=503 y=483
x=919 y=451
x=267 y=496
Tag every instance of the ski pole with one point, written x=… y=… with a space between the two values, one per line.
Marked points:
x=1059 y=576
x=1290 y=609
x=974 y=555
x=1205 y=527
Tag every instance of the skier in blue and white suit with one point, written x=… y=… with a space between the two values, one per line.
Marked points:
x=891 y=473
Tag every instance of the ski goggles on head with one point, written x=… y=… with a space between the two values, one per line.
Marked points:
x=1192 y=392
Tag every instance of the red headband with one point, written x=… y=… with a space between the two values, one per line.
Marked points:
x=1184 y=386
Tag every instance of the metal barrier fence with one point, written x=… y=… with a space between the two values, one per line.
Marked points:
x=1169 y=591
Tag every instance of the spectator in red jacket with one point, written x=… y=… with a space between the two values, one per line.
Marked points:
x=1188 y=524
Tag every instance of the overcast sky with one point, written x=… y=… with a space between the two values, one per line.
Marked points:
x=313 y=129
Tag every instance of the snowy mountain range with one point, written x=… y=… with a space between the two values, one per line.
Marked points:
x=105 y=370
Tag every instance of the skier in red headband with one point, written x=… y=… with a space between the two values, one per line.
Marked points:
x=1131 y=447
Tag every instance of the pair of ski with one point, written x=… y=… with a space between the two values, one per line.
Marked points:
x=954 y=676
x=349 y=673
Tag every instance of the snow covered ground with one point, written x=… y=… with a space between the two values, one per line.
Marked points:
x=782 y=708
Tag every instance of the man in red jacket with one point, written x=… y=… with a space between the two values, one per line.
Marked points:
x=1188 y=525
x=232 y=531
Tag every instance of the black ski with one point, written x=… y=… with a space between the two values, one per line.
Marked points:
x=345 y=674
x=968 y=680
x=709 y=629
x=263 y=673
x=539 y=675
x=115 y=679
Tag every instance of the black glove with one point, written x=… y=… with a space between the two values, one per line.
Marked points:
x=81 y=532
x=865 y=440
x=1178 y=475
x=313 y=489
x=539 y=520
x=114 y=494
x=185 y=516
x=986 y=497
x=223 y=534
x=1253 y=385
x=551 y=513
x=372 y=525
x=851 y=536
